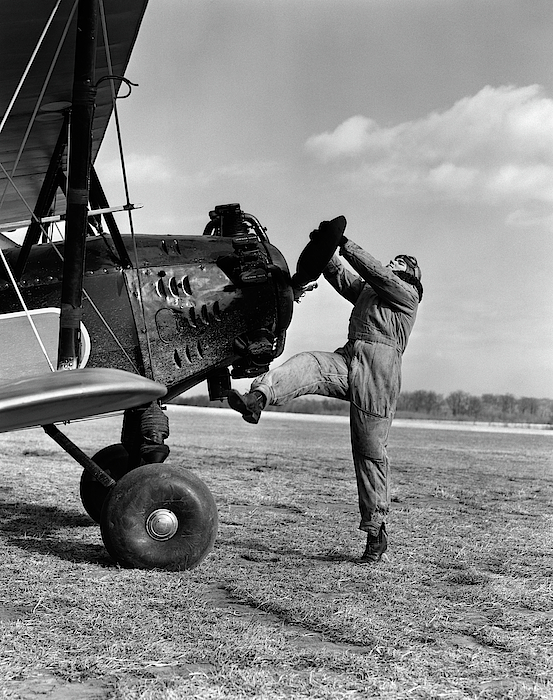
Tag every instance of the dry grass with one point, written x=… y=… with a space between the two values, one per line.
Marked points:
x=461 y=608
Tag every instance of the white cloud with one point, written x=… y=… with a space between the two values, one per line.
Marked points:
x=494 y=146
x=354 y=135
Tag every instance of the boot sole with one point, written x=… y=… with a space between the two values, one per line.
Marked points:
x=369 y=560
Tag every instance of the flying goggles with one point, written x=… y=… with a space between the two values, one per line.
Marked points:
x=411 y=263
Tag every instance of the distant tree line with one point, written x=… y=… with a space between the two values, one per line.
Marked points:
x=458 y=405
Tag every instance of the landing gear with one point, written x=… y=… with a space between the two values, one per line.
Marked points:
x=152 y=515
x=114 y=460
x=159 y=516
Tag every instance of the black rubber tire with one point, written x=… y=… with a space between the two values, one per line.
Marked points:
x=114 y=460
x=146 y=490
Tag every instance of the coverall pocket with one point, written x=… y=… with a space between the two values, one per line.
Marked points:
x=374 y=378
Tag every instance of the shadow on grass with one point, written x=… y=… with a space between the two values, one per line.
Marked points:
x=36 y=528
x=259 y=552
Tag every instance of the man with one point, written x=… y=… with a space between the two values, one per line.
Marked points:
x=366 y=372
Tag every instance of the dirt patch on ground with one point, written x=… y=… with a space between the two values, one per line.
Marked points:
x=299 y=636
x=49 y=687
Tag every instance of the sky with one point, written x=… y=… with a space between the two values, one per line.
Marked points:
x=428 y=124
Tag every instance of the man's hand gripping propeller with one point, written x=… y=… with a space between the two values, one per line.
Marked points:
x=316 y=255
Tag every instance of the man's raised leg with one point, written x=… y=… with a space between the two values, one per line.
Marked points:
x=321 y=373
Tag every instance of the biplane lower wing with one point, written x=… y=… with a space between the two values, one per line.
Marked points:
x=81 y=393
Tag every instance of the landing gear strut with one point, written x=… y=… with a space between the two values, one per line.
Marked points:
x=114 y=460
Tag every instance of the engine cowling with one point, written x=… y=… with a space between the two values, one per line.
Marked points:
x=190 y=307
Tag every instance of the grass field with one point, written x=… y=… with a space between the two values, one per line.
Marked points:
x=462 y=606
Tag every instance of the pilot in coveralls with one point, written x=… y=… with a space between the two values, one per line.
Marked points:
x=366 y=372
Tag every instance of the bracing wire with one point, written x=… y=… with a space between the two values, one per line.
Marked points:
x=38 y=102
x=110 y=331
x=116 y=112
x=124 y=170
x=99 y=314
x=28 y=67
x=23 y=200
x=25 y=309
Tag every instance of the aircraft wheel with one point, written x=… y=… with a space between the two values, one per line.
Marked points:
x=159 y=516
x=114 y=460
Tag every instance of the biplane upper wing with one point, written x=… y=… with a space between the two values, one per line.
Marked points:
x=36 y=80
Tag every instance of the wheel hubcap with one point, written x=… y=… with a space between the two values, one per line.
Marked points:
x=162 y=524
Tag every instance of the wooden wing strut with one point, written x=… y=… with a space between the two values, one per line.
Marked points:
x=80 y=158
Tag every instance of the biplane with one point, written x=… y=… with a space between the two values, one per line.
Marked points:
x=100 y=321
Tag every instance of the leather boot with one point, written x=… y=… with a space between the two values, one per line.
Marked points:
x=376 y=546
x=249 y=405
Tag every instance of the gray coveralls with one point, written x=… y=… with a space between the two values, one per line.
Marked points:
x=366 y=371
